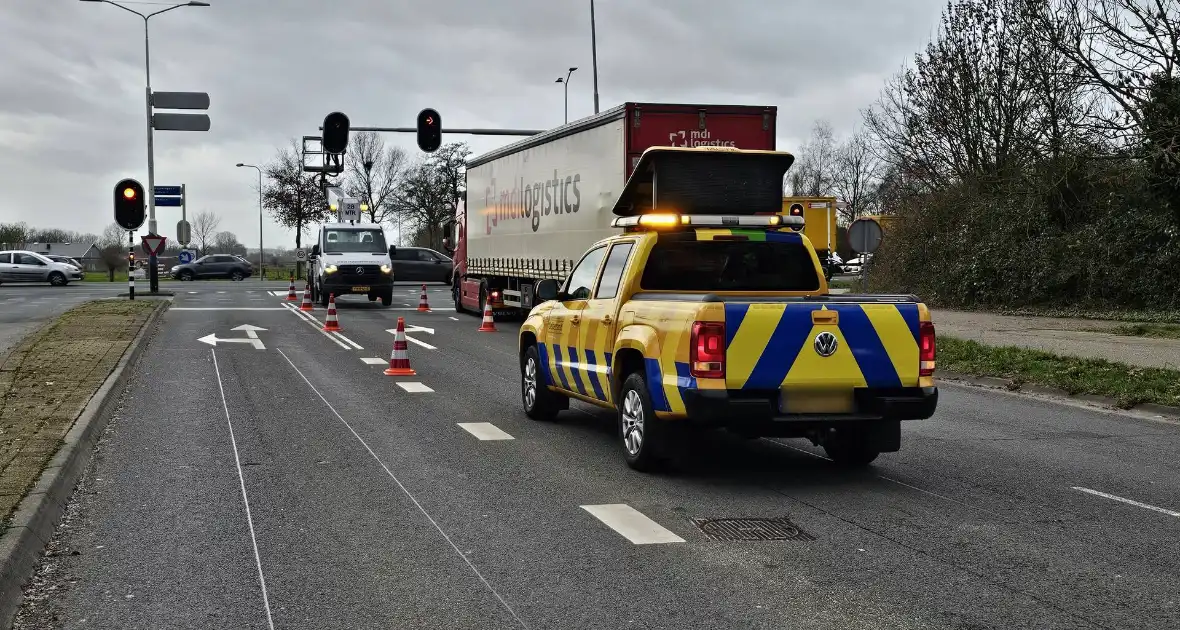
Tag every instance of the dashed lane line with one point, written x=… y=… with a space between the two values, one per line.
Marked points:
x=409 y=495
x=414 y=387
x=632 y=524
x=314 y=324
x=347 y=340
x=373 y=360
x=226 y=308
x=1115 y=497
x=485 y=431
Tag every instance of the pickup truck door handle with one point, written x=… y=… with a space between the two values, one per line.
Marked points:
x=575 y=320
x=607 y=320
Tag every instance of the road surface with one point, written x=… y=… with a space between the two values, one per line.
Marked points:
x=296 y=486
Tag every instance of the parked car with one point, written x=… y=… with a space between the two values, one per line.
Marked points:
x=213 y=266
x=421 y=264
x=26 y=266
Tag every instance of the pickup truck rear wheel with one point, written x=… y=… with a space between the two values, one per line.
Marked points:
x=851 y=450
x=539 y=402
x=641 y=433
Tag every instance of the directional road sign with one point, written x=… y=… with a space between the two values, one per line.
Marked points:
x=154 y=244
x=174 y=202
x=186 y=256
x=173 y=191
x=180 y=100
x=180 y=122
x=864 y=235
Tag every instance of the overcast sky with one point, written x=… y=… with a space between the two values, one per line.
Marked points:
x=72 y=119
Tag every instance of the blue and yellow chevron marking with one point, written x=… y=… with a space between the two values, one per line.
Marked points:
x=768 y=346
x=709 y=234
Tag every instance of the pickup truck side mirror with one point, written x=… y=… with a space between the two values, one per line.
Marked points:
x=315 y=249
x=392 y=251
x=448 y=246
x=547 y=290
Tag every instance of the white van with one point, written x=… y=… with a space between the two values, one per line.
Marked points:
x=352 y=259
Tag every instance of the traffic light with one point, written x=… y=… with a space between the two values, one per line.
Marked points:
x=335 y=136
x=129 y=204
x=429 y=130
x=796 y=210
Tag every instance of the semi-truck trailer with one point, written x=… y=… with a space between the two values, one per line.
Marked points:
x=533 y=206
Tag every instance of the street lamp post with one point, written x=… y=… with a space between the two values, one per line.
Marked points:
x=594 y=55
x=566 y=81
x=261 y=271
x=153 y=272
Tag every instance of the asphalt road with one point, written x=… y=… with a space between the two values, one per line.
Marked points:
x=296 y=486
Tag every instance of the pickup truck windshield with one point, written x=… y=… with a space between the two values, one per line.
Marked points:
x=363 y=241
x=679 y=262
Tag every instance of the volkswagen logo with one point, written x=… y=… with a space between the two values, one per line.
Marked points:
x=360 y=271
x=825 y=344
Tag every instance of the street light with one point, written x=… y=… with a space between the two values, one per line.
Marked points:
x=566 y=81
x=261 y=274
x=153 y=273
x=594 y=55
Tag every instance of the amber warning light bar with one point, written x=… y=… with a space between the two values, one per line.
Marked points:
x=670 y=220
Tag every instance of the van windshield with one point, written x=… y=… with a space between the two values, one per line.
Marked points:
x=355 y=240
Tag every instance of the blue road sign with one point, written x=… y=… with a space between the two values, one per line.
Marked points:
x=167 y=190
x=169 y=201
x=185 y=256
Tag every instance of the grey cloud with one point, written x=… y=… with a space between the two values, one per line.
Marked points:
x=275 y=68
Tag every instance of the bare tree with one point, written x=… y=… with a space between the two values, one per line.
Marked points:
x=856 y=174
x=813 y=174
x=112 y=249
x=227 y=243
x=203 y=228
x=373 y=173
x=430 y=193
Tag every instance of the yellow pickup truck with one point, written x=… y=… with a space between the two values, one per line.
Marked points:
x=716 y=316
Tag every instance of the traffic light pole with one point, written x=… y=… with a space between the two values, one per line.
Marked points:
x=131 y=264
x=470 y=132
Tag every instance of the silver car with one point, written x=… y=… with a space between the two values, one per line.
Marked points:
x=26 y=266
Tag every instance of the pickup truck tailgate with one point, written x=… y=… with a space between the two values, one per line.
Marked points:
x=809 y=346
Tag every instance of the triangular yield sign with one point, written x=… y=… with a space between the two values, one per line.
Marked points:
x=154 y=244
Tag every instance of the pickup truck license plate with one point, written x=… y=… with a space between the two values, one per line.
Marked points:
x=816 y=401
x=360 y=289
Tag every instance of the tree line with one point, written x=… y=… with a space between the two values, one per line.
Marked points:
x=1031 y=155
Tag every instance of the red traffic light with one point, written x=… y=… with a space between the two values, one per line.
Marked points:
x=796 y=209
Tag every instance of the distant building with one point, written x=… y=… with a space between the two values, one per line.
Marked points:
x=85 y=253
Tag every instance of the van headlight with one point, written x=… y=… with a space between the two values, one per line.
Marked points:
x=386 y=269
x=330 y=269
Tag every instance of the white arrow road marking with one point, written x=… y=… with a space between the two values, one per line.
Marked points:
x=632 y=524
x=251 y=330
x=213 y=340
x=421 y=343
x=414 y=387
x=412 y=328
x=485 y=431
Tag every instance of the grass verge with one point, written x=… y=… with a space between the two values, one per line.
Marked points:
x=1119 y=315
x=1143 y=329
x=1128 y=385
x=49 y=378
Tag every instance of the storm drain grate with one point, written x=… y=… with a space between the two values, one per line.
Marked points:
x=751 y=529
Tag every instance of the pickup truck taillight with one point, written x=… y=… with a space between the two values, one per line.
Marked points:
x=926 y=349
x=707 y=354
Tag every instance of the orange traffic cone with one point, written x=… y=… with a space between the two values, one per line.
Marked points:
x=489 y=322
x=291 y=297
x=306 y=305
x=331 y=323
x=399 y=360
x=423 y=305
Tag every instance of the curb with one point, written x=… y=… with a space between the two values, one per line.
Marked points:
x=35 y=519
x=991 y=382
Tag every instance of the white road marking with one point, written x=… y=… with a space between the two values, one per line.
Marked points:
x=632 y=524
x=1114 y=497
x=348 y=341
x=221 y=292
x=374 y=360
x=226 y=308
x=314 y=324
x=421 y=343
x=454 y=319
x=408 y=494
x=485 y=431
x=414 y=387
x=245 y=501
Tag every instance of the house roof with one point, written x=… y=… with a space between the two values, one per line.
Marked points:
x=73 y=250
